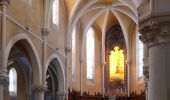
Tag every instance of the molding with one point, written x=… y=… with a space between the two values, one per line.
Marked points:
x=61 y=69
x=33 y=34
x=40 y=88
x=154 y=17
x=15 y=39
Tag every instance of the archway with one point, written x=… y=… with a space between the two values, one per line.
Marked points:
x=116 y=55
x=22 y=56
x=55 y=79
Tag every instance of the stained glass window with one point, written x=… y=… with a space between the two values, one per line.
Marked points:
x=56 y=12
x=13 y=82
x=74 y=54
x=90 y=53
x=139 y=56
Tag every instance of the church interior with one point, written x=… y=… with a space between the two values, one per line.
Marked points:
x=84 y=49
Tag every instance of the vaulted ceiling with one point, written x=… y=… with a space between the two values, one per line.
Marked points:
x=102 y=13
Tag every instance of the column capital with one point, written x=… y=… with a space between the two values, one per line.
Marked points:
x=67 y=50
x=4 y=2
x=4 y=80
x=45 y=31
x=155 y=32
x=39 y=88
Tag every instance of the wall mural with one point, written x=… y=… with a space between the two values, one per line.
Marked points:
x=115 y=62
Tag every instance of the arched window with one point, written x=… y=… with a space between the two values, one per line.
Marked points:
x=90 y=53
x=139 y=56
x=74 y=54
x=56 y=12
x=13 y=82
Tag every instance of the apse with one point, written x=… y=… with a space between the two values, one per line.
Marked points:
x=115 y=57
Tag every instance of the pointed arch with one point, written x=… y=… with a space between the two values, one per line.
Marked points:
x=60 y=70
x=34 y=57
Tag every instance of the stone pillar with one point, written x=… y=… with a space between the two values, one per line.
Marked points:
x=67 y=51
x=39 y=92
x=156 y=34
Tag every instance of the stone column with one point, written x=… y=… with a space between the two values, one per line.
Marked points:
x=156 y=34
x=67 y=51
x=39 y=92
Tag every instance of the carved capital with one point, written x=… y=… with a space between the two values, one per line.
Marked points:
x=155 y=32
x=45 y=31
x=4 y=2
x=41 y=88
x=67 y=50
x=4 y=80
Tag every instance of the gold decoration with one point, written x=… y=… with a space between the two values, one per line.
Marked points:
x=116 y=66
